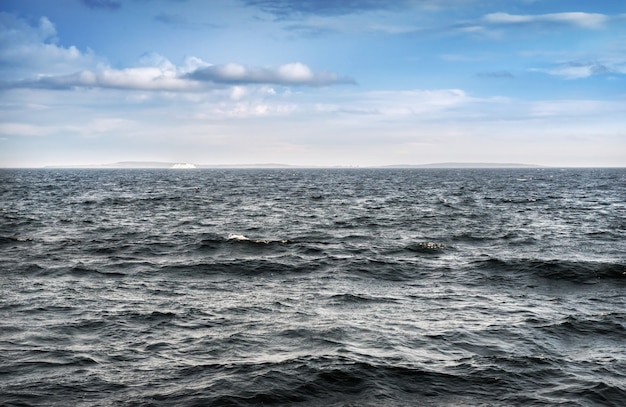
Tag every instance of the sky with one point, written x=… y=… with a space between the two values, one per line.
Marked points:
x=313 y=82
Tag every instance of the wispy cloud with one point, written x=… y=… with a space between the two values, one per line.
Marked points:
x=171 y=19
x=579 y=19
x=175 y=20
x=579 y=70
x=574 y=108
x=496 y=75
x=499 y=25
x=418 y=104
x=311 y=30
x=343 y=17
x=102 y=4
x=296 y=8
x=23 y=129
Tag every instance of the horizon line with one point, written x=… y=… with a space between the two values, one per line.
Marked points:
x=187 y=165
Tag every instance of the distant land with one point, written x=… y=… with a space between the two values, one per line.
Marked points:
x=173 y=165
x=466 y=165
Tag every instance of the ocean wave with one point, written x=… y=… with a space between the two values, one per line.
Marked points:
x=233 y=237
x=14 y=240
x=358 y=299
x=77 y=270
x=565 y=270
x=604 y=327
x=323 y=380
x=427 y=247
x=238 y=267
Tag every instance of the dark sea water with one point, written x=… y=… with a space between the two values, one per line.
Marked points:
x=313 y=287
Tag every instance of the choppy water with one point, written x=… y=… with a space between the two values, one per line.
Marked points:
x=313 y=287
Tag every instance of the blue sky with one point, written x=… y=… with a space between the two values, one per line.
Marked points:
x=313 y=82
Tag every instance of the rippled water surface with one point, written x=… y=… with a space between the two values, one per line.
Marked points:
x=313 y=287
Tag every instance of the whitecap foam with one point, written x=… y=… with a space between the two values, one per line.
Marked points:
x=234 y=236
x=242 y=238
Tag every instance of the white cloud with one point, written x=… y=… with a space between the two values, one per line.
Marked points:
x=575 y=108
x=237 y=92
x=109 y=124
x=30 y=50
x=241 y=102
x=141 y=78
x=165 y=76
x=295 y=73
x=346 y=107
x=23 y=129
x=572 y=71
x=411 y=102
x=584 y=20
x=580 y=70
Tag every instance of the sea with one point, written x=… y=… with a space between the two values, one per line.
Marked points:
x=313 y=287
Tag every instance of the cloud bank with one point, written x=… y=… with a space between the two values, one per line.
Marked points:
x=31 y=58
x=168 y=77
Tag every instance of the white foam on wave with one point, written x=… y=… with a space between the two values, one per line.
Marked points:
x=242 y=238
x=234 y=236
